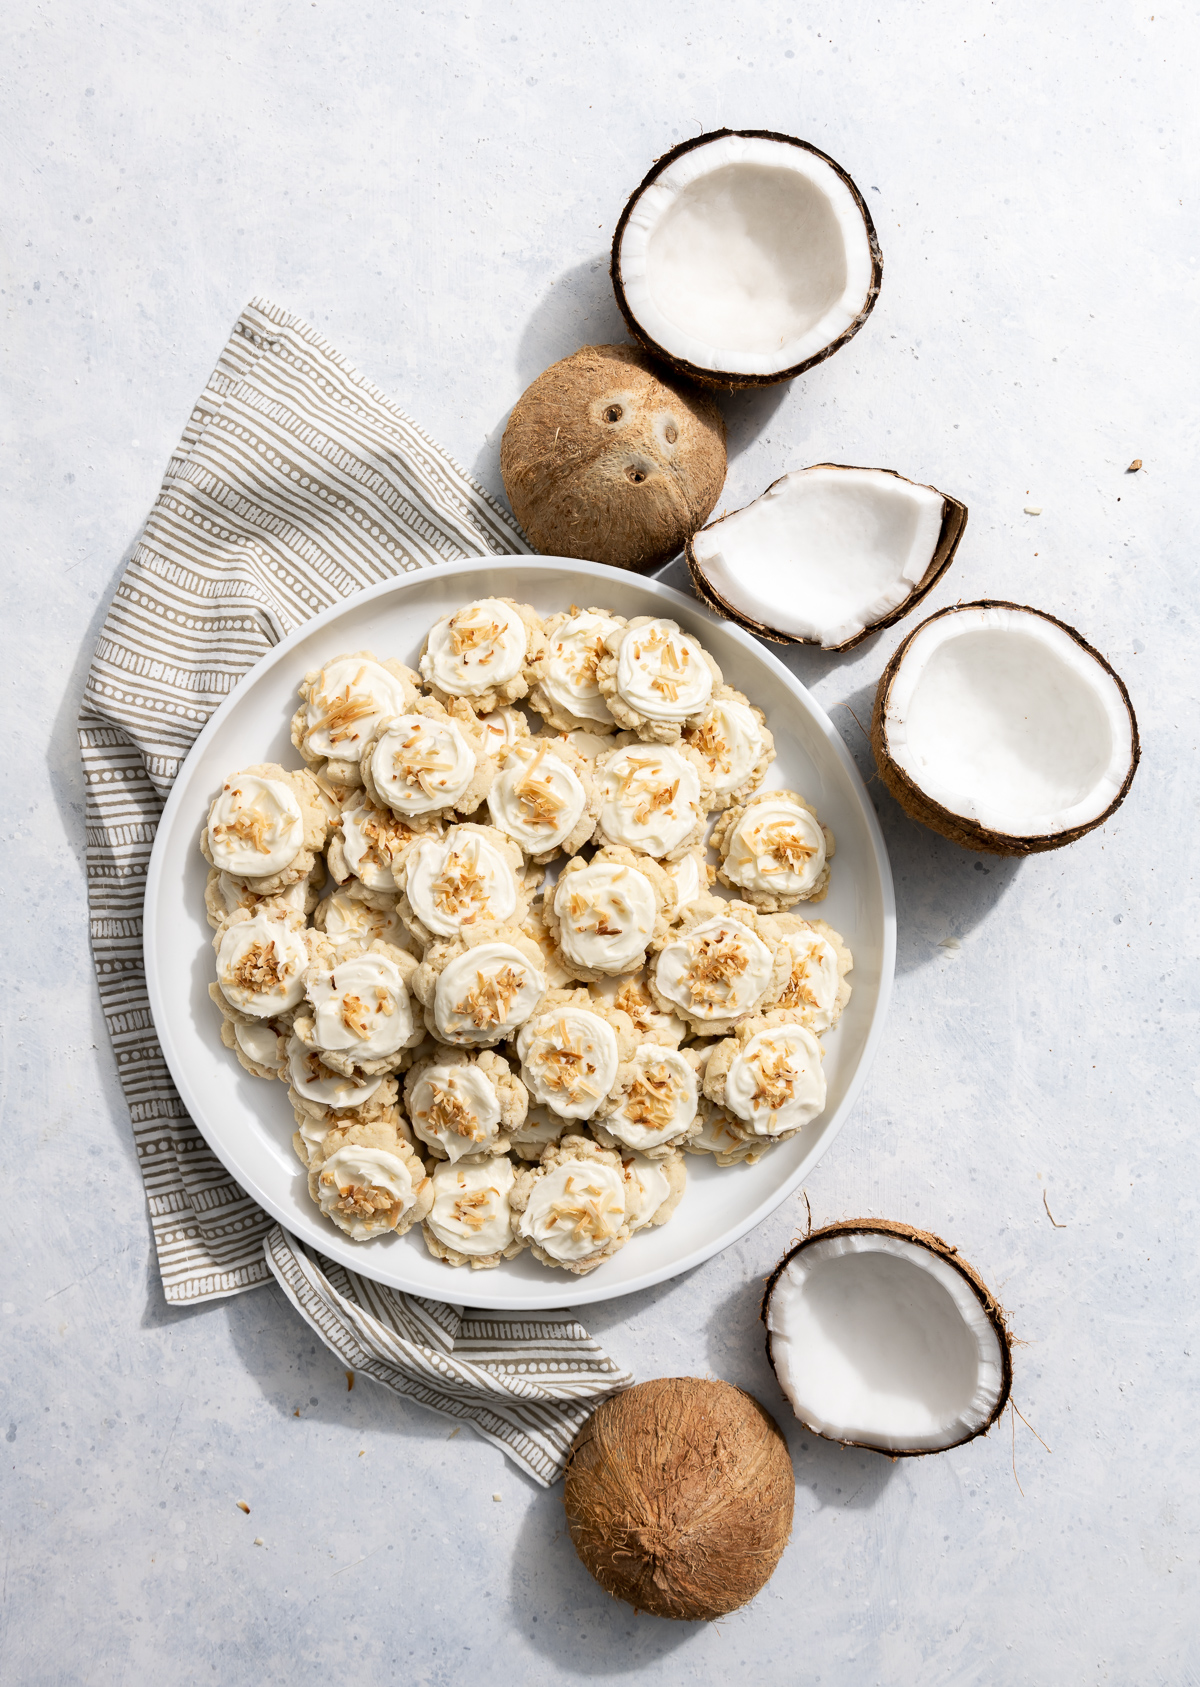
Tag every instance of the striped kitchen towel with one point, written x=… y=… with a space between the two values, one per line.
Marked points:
x=296 y=484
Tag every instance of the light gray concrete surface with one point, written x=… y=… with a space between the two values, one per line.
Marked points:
x=435 y=189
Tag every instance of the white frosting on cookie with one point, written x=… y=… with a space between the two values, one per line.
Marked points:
x=421 y=764
x=261 y=963
x=568 y=1060
x=255 y=827
x=717 y=970
x=660 y=1102
x=502 y=729
x=714 y=1134
x=470 y=1211
x=348 y=917
x=360 y=1005
x=574 y=1209
x=314 y=1081
x=776 y=1083
x=369 y=835
x=484 y=994
x=730 y=740
x=569 y=666
x=607 y=914
x=478 y=647
x=650 y=798
x=661 y=672
x=458 y=879
x=690 y=879
x=360 y=1188
x=775 y=848
x=234 y=896
x=813 y=985
x=260 y=1043
x=456 y=1106
x=646 y=1188
x=537 y=799
x=538 y=1128
x=350 y=697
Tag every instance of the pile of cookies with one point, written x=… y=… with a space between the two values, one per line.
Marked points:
x=480 y=944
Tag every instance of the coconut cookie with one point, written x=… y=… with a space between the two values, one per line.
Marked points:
x=604 y=913
x=467 y=875
x=572 y=1207
x=342 y=703
x=656 y=679
x=564 y=688
x=471 y=1221
x=464 y=1106
x=378 y=1101
x=653 y=1188
x=544 y=798
x=653 y=797
x=266 y=828
x=359 y=1018
x=372 y=1184
x=691 y=876
x=632 y=995
x=571 y=1051
x=768 y=1076
x=224 y=896
x=652 y=1105
x=816 y=989
x=775 y=851
x=502 y=729
x=260 y=1045
x=483 y=652
x=354 y=917
x=369 y=843
x=534 y=1135
x=725 y=1137
x=481 y=987
x=714 y=970
x=262 y=956
x=535 y=928
x=733 y=741
x=429 y=763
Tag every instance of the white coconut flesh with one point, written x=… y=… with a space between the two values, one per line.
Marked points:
x=1000 y=715
x=746 y=256
x=882 y=1342
x=824 y=553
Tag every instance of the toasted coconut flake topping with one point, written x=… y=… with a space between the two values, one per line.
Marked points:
x=635 y=1000
x=259 y=970
x=580 y=905
x=781 y=849
x=797 y=992
x=717 y=962
x=650 y=1103
x=489 y=999
x=448 y=1112
x=713 y=744
x=593 y=1218
x=415 y=766
x=344 y=712
x=358 y=1200
x=460 y=890
x=251 y=827
x=475 y=635
x=565 y=1067
x=474 y=1209
x=774 y=1078
x=648 y=790
x=540 y=803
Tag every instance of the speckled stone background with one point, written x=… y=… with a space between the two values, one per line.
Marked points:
x=435 y=190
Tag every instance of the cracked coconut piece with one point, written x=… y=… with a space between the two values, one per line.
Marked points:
x=572 y=1050
x=371 y=1182
x=735 y=745
x=651 y=1109
x=572 y=1206
x=466 y=875
x=359 y=1017
x=563 y=685
x=480 y=988
x=714 y=969
x=430 y=763
x=464 y=1107
x=266 y=827
x=774 y=851
x=656 y=679
x=816 y=988
x=768 y=1076
x=471 y=1222
x=483 y=653
x=545 y=798
x=341 y=704
x=603 y=914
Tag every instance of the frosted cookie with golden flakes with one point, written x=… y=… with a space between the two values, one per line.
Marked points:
x=652 y=1106
x=429 y=763
x=534 y=927
x=544 y=798
x=537 y=1131
x=483 y=653
x=714 y=969
x=653 y=1189
x=369 y=843
x=262 y=956
x=653 y=798
x=224 y=896
x=733 y=741
x=655 y=678
x=726 y=1138
x=604 y=913
x=466 y=875
x=480 y=988
x=260 y=1045
x=774 y=851
x=632 y=995
x=692 y=876
x=768 y=1076
x=266 y=827
x=571 y=1051
x=502 y=729
x=317 y=1124
x=359 y=1015
x=342 y=703
x=571 y=1208
x=471 y=1222
x=464 y=1106
x=353 y=916
x=816 y=989
x=563 y=685
x=369 y=1189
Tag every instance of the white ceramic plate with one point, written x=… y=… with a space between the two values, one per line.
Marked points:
x=249 y=1124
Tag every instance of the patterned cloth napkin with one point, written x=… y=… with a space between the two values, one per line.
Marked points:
x=296 y=484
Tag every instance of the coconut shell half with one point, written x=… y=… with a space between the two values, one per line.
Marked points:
x=883 y=1337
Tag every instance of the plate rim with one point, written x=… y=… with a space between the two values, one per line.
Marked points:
x=574 y=1291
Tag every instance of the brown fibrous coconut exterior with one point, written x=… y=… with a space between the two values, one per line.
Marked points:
x=729 y=380
x=935 y=1244
x=954 y=521
x=606 y=458
x=957 y=827
x=679 y=1496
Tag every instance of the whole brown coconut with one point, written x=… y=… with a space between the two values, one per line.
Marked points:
x=679 y=1497
x=605 y=460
